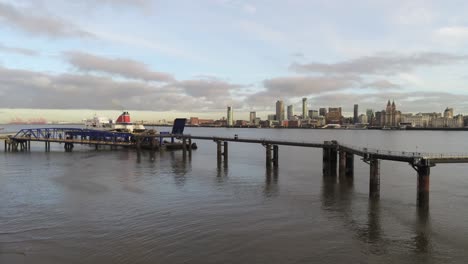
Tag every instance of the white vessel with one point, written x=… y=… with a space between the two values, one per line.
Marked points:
x=122 y=124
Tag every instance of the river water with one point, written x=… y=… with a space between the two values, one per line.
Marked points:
x=115 y=206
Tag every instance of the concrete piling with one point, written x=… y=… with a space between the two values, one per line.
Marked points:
x=330 y=158
x=225 y=153
x=275 y=156
x=349 y=168
x=423 y=186
x=218 y=152
x=342 y=163
x=268 y=155
x=374 y=178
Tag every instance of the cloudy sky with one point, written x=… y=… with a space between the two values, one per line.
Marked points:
x=163 y=59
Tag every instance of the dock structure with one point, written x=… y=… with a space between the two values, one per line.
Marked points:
x=335 y=154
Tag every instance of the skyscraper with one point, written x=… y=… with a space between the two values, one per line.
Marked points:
x=290 y=112
x=230 y=120
x=323 y=111
x=370 y=116
x=356 y=114
x=304 y=108
x=280 y=111
x=253 y=115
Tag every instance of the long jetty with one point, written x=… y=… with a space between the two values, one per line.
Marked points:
x=335 y=155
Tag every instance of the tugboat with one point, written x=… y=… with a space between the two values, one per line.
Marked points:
x=122 y=124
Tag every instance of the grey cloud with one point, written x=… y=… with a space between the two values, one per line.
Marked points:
x=299 y=86
x=73 y=91
x=383 y=63
x=211 y=88
x=305 y=85
x=23 y=51
x=381 y=84
x=123 y=67
x=39 y=25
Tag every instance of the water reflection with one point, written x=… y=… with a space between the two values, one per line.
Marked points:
x=422 y=238
x=271 y=183
x=180 y=167
x=337 y=202
x=338 y=196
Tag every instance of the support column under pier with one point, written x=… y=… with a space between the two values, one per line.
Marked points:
x=330 y=159
x=268 y=155
x=349 y=171
x=184 y=146
x=423 y=186
x=342 y=163
x=218 y=152
x=275 y=156
x=374 y=178
x=225 y=153
x=221 y=152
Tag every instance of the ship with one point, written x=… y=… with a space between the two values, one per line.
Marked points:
x=122 y=124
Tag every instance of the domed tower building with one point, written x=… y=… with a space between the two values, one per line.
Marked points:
x=392 y=116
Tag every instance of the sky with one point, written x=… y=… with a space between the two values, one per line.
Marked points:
x=67 y=60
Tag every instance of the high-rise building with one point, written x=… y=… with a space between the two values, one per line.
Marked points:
x=280 y=111
x=370 y=116
x=304 y=108
x=323 y=111
x=290 y=112
x=230 y=115
x=271 y=117
x=334 y=115
x=313 y=114
x=253 y=115
x=356 y=114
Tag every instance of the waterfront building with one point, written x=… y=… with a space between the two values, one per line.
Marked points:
x=304 y=108
x=290 y=112
x=271 y=117
x=362 y=119
x=241 y=123
x=370 y=116
x=313 y=114
x=194 y=121
x=448 y=113
x=279 y=111
x=323 y=111
x=356 y=114
x=334 y=115
x=446 y=122
x=257 y=121
x=418 y=120
x=252 y=116
x=389 y=117
x=230 y=115
x=378 y=120
x=294 y=123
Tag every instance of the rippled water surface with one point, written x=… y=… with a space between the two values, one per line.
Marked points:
x=115 y=206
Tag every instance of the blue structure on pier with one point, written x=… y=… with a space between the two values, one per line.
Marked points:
x=73 y=133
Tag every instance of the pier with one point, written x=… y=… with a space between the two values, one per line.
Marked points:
x=338 y=159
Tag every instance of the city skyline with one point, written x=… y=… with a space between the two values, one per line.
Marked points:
x=414 y=53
